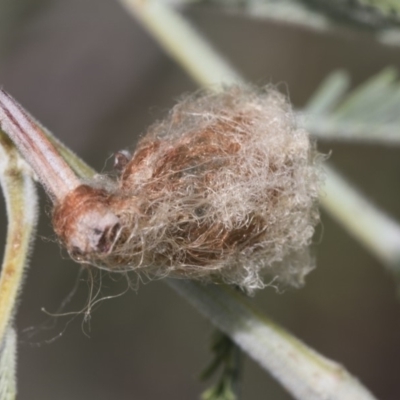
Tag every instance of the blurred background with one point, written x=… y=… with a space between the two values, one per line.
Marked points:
x=93 y=76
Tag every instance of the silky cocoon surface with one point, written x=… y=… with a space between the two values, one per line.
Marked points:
x=223 y=190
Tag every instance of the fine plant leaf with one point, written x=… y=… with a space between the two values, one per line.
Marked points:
x=227 y=358
x=368 y=113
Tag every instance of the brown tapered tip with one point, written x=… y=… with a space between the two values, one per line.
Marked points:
x=28 y=136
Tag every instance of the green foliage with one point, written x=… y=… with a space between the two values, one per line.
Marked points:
x=365 y=13
x=367 y=113
x=227 y=358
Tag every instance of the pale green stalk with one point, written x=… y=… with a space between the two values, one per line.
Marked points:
x=21 y=202
x=329 y=93
x=329 y=128
x=306 y=374
x=376 y=231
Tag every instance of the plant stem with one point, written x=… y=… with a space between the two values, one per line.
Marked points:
x=21 y=203
x=329 y=93
x=375 y=230
x=329 y=128
x=303 y=372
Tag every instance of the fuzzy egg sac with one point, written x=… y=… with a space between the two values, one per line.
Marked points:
x=223 y=190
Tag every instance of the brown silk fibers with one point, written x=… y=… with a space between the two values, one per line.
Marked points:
x=223 y=190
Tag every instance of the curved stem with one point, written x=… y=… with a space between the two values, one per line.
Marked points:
x=21 y=202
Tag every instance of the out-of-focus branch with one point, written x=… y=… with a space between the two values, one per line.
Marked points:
x=375 y=230
x=367 y=114
x=377 y=19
